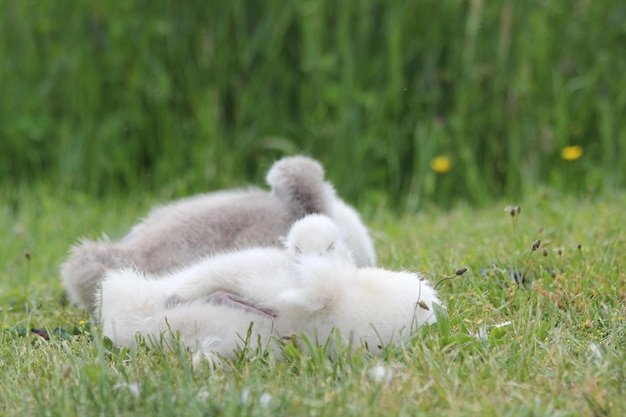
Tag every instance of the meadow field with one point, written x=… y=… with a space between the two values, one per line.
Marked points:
x=551 y=345
x=435 y=119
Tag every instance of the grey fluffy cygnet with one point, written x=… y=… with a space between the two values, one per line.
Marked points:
x=177 y=234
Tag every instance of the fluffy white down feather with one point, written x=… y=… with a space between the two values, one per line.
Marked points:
x=309 y=291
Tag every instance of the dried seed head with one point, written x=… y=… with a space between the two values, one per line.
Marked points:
x=580 y=247
x=536 y=244
x=518 y=210
x=27 y=255
x=457 y=273
x=545 y=252
x=512 y=212
x=559 y=251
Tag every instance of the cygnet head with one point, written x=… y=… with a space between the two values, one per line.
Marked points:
x=317 y=234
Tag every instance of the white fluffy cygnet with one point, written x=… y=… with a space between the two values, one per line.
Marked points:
x=309 y=290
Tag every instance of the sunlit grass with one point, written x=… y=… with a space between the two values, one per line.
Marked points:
x=552 y=345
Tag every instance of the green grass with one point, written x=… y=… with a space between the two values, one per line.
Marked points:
x=563 y=353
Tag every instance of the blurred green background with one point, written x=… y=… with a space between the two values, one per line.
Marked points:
x=411 y=102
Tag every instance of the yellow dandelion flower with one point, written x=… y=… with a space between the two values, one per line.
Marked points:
x=572 y=153
x=81 y=323
x=441 y=164
x=5 y=326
